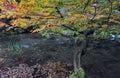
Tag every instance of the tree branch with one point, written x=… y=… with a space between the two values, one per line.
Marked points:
x=110 y=9
x=59 y=12
x=86 y=32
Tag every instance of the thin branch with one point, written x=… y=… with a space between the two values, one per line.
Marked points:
x=59 y=12
x=70 y=28
x=86 y=32
x=86 y=5
x=95 y=13
x=110 y=9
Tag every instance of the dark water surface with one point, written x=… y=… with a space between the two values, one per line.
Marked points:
x=101 y=61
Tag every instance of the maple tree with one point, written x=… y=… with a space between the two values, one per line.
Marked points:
x=72 y=18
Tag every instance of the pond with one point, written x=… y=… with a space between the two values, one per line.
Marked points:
x=101 y=61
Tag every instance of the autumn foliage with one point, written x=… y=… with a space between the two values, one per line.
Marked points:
x=51 y=15
x=79 y=19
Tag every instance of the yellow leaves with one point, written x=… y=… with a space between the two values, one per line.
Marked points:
x=115 y=20
x=46 y=14
x=23 y=23
x=2 y=16
x=104 y=26
x=6 y=13
x=24 y=7
x=50 y=22
x=36 y=30
x=1 y=2
x=21 y=11
x=72 y=18
x=83 y=18
x=45 y=10
x=84 y=28
x=9 y=14
x=14 y=2
x=27 y=3
x=80 y=37
x=77 y=21
x=75 y=17
x=39 y=29
x=44 y=3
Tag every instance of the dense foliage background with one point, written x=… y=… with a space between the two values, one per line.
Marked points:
x=78 y=19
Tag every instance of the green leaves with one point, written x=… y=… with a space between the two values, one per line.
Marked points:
x=45 y=35
x=14 y=48
x=79 y=74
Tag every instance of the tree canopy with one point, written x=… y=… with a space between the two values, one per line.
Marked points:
x=68 y=17
x=71 y=18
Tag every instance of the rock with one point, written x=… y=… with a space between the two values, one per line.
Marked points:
x=112 y=37
x=118 y=38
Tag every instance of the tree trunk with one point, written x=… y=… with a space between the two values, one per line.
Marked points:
x=79 y=53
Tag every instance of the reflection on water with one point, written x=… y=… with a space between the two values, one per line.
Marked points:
x=25 y=45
